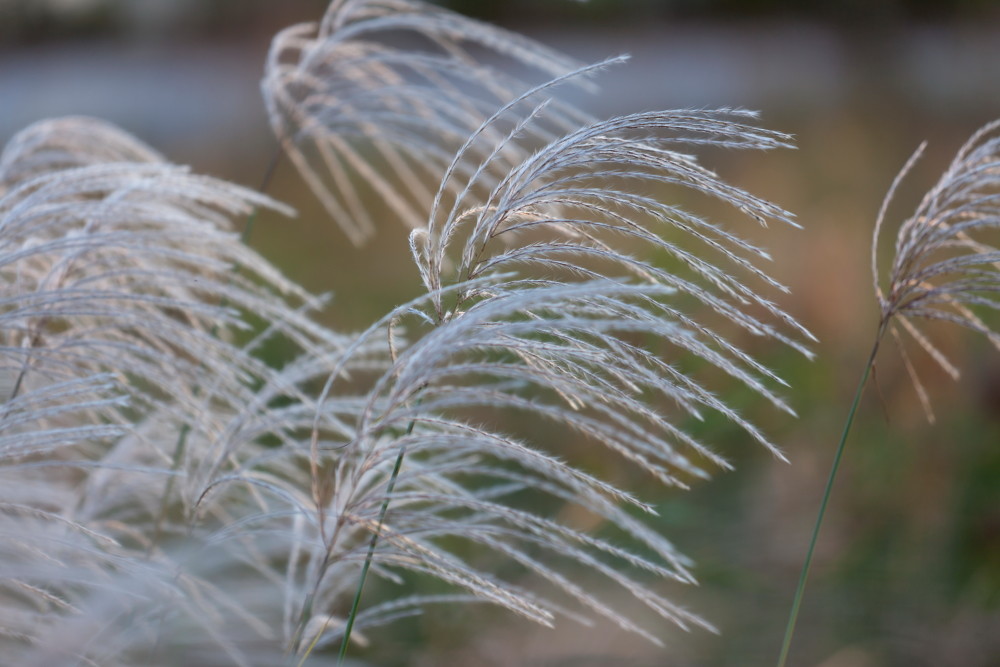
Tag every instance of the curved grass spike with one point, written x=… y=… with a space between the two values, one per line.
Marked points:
x=945 y=267
x=362 y=117
x=536 y=295
x=348 y=104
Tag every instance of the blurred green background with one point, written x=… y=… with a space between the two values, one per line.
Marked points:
x=908 y=568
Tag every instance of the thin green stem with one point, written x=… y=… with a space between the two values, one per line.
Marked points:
x=793 y=615
x=368 y=563
x=264 y=183
x=356 y=604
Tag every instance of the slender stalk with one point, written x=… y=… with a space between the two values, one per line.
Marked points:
x=368 y=562
x=356 y=604
x=264 y=183
x=793 y=615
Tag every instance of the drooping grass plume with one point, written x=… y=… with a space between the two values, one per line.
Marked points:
x=946 y=264
x=537 y=307
x=945 y=267
x=375 y=100
x=539 y=302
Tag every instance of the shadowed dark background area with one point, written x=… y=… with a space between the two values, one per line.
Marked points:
x=908 y=567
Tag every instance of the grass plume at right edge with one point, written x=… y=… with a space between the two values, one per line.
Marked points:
x=945 y=267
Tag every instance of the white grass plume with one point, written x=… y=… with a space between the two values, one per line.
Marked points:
x=63 y=143
x=376 y=99
x=946 y=264
x=943 y=269
x=120 y=321
x=535 y=310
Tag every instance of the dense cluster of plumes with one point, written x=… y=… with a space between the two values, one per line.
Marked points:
x=171 y=493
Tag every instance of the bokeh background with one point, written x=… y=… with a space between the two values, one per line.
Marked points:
x=908 y=568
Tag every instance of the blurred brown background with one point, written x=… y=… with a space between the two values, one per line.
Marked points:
x=908 y=568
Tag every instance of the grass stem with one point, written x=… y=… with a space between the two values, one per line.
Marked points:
x=368 y=563
x=804 y=575
x=265 y=182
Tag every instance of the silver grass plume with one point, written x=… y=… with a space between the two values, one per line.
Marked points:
x=376 y=99
x=63 y=143
x=538 y=309
x=943 y=269
x=131 y=386
x=945 y=266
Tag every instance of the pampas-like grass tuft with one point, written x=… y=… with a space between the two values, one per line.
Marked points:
x=945 y=266
x=943 y=269
x=170 y=497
